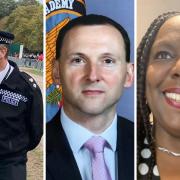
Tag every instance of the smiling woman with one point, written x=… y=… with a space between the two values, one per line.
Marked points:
x=159 y=100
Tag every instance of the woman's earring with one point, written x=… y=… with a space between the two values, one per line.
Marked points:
x=151 y=120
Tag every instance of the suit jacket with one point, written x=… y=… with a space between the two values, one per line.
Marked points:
x=61 y=164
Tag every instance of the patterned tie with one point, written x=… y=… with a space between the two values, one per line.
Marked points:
x=96 y=145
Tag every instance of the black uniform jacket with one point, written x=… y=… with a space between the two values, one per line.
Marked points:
x=21 y=114
x=61 y=164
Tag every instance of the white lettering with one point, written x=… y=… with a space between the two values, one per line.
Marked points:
x=47 y=10
x=58 y=4
x=52 y=5
x=10 y=101
x=70 y=4
x=64 y=3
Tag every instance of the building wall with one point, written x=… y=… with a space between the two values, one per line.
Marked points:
x=147 y=10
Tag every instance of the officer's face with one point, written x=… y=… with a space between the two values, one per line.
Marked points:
x=3 y=52
x=93 y=70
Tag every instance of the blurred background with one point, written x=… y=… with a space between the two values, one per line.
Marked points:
x=147 y=11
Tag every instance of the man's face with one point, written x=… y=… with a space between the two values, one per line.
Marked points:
x=93 y=69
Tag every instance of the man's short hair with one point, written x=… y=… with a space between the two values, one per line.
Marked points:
x=92 y=19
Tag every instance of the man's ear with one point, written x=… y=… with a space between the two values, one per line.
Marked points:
x=129 y=75
x=55 y=72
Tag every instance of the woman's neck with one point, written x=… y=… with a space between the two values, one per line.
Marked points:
x=168 y=164
x=168 y=141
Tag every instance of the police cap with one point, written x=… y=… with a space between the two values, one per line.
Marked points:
x=6 y=37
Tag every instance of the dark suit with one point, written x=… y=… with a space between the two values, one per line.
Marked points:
x=61 y=164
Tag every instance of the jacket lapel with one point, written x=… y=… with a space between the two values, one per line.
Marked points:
x=125 y=149
x=61 y=163
x=60 y=160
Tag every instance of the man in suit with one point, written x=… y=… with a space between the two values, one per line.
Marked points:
x=87 y=140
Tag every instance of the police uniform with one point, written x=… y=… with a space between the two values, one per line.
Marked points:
x=21 y=120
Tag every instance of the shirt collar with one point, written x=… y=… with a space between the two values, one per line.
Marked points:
x=3 y=72
x=14 y=74
x=77 y=135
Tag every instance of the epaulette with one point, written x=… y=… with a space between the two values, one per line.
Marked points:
x=32 y=83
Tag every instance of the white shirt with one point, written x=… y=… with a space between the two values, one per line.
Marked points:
x=77 y=135
x=4 y=72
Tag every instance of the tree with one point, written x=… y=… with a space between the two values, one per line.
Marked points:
x=6 y=7
x=27 y=2
x=26 y=22
x=3 y=22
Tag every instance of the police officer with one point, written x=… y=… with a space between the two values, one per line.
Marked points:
x=21 y=115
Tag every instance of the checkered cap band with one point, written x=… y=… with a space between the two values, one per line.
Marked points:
x=6 y=38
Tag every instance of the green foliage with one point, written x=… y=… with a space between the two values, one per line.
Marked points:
x=3 y=22
x=26 y=22
x=6 y=7
x=27 y=2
